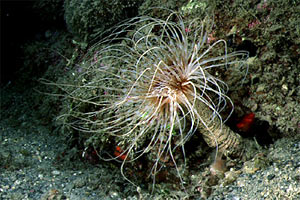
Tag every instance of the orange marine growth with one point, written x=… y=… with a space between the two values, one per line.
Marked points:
x=119 y=153
x=245 y=124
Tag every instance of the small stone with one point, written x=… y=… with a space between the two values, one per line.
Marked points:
x=284 y=87
x=254 y=107
x=230 y=177
x=260 y=88
x=270 y=177
x=79 y=182
x=55 y=172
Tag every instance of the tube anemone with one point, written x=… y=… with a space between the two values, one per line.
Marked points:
x=153 y=88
